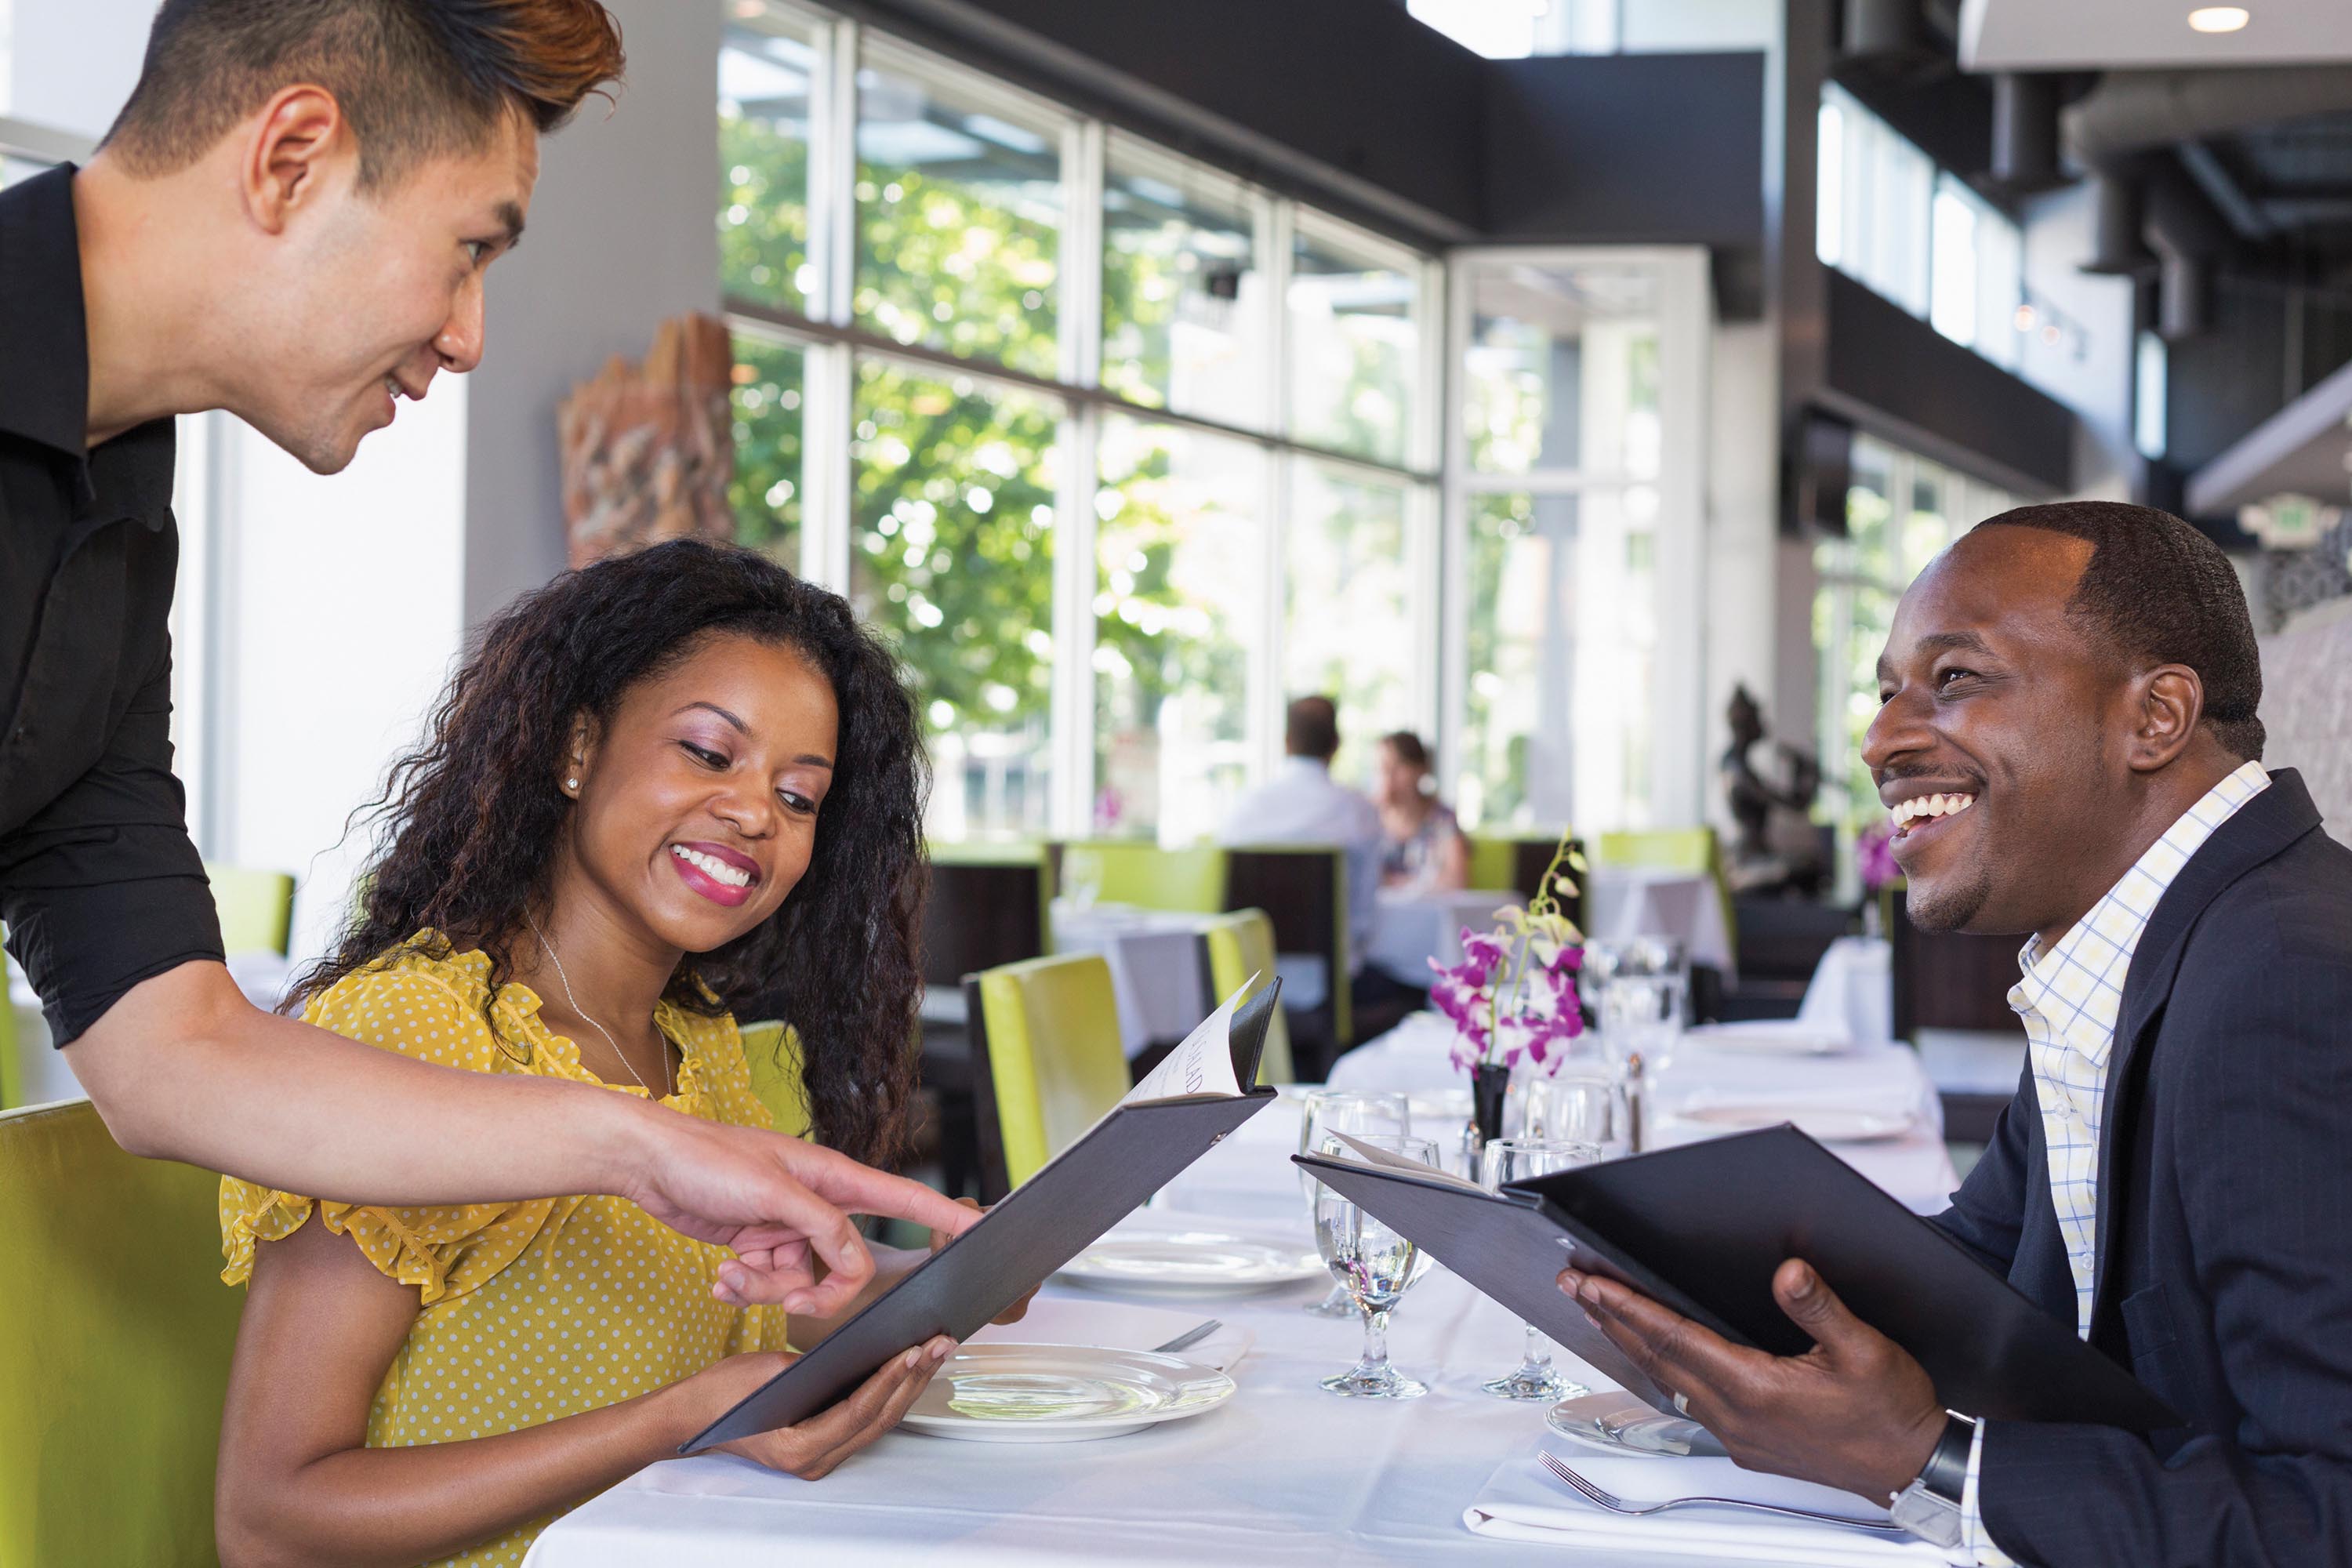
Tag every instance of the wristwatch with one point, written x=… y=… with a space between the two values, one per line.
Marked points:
x=1930 y=1508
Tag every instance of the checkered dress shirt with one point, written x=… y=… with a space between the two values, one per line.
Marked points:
x=2069 y=996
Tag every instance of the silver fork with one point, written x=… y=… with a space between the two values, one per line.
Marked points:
x=1189 y=1338
x=1614 y=1504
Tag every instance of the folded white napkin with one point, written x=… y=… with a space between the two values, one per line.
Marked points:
x=1524 y=1501
x=1120 y=1326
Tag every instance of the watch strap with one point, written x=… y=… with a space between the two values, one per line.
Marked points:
x=1947 y=1470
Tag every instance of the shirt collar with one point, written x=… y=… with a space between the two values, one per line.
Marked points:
x=44 y=334
x=45 y=343
x=2076 y=983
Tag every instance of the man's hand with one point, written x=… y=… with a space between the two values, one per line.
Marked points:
x=1856 y=1412
x=1019 y=1309
x=782 y=1204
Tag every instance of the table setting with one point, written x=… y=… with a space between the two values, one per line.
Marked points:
x=1183 y=1389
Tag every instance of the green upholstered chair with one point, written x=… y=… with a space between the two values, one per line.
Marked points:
x=1237 y=947
x=1692 y=851
x=116 y=1353
x=1303 y=889
x=256 y=908
x=773 y=1050
x=1145 y=875
x=1047 y=1061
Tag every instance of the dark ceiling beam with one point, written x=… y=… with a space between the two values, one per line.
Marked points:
x=2221 y=188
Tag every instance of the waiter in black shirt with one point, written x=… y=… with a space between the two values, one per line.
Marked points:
x=289 y=221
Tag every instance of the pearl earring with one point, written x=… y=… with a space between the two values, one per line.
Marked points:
x=571 y=783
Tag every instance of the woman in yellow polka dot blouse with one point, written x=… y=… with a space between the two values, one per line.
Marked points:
x=665 y=785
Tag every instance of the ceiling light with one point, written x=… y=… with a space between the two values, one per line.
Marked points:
x=2219 y=18
x=2023 y=319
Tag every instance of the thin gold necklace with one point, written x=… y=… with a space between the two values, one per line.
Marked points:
x=549 y=948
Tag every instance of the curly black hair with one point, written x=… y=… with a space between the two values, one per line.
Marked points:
x=469 y=821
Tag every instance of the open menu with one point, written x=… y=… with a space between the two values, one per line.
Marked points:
x=1180 y=1110
x=1702 y=1227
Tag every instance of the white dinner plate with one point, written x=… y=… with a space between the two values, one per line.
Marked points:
x=1061 y=1394
x=1829 y=1124
x=1617 y=1422
x=1191 y=1260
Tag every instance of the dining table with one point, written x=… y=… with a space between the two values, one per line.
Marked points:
x=1282 y=1473
x=1157 y=979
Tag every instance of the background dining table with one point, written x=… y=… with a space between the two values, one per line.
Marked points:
x=1284 y=1473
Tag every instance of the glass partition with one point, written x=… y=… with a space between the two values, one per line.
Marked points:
x=1563 y=370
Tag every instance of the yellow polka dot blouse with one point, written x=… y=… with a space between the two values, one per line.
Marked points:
x=528 y=1311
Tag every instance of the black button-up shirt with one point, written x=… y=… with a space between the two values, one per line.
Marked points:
x=100 y=885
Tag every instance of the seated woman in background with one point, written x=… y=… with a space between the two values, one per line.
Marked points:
x=1424 y=850
x=661 y=784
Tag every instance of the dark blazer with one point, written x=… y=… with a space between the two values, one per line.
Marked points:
x=2224 y=1270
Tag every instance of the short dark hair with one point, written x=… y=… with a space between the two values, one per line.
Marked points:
x=2156 y=591
x=416 y=79
x=1312 y=728
x=1409 y=749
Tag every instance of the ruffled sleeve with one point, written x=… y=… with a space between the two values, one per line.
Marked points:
x=445 y=1251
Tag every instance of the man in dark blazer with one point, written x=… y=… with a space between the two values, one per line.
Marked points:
x=2070 y=747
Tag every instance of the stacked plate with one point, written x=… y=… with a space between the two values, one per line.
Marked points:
x=1178 y=1255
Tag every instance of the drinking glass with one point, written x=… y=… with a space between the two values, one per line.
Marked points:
x=1515 y=1159
x=1376 y=1265
x=1583 y=1104
x=1357 y=1113
x=1082 y=877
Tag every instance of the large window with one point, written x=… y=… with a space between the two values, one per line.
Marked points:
x=1355 y=347
x=1177 y=613
x=1901 y=510
x=1577 y=545
x=1887 y=217
x=1125 y=452
x=1347 y=564
x=960 y=213
x=953 y=551
x=1184 y=304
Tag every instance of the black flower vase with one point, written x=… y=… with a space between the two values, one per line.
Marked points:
x=1490 y=1082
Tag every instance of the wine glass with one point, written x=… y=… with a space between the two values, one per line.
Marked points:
x=1357 y=1113
x=1516 y=1159
x=1377 y=1265
x=1582 y=1103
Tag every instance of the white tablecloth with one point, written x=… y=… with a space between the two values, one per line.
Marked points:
x=1155 y=966
x=1916 y=1168
x=1284 y=1474
x=1410 y=929
x=1620 y=904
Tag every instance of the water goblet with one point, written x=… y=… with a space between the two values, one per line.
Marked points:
x=1583 y=1104
x=1513 y=1160
x=1355 y=1113
x=1376 y=1265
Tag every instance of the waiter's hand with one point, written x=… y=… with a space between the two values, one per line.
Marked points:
x=782 y=1204
x=1856 y=1412
x=1019 y=1309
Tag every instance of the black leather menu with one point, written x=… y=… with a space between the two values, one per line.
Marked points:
x=1701 y=1228
x=1039 y=1226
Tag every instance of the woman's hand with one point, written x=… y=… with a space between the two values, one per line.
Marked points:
x=813 y=1449
x=1019 y=1309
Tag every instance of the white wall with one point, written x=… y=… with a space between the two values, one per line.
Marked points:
x=69 y=64
x=621 y=235
x=2097 y=385
x=342 y=613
